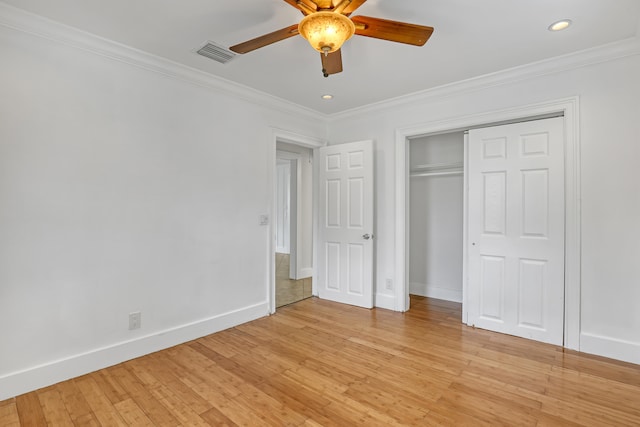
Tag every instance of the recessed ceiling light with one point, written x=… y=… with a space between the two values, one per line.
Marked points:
x=560 y=25
x=327 y=97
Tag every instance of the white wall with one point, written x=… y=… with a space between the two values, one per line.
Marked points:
x=609 y=94
x=436 y=218
x=124 y=189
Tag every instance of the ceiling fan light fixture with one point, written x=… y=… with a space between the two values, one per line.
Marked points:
x=326 y=31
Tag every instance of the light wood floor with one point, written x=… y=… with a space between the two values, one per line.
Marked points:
x=289 y=291
x=319 y=363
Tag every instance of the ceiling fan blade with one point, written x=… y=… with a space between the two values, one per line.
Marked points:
x=332 y=63
x=352 y=7
x=265 y=40
x=394 y=31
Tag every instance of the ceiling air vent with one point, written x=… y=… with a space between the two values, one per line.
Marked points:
x=216 y=52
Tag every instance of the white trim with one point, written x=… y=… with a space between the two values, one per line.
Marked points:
x=569 y=107
x=35 y=25
x=465 y=230
x=294 y=138
x=402 y=222
x=316 y=226
x=272 y=173
x=306 y=272
x=384 y=301
x=437 y=292
x=579 y=59
x=36 y=377
x=627 y=351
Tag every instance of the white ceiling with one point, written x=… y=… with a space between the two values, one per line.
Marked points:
x=471 y=38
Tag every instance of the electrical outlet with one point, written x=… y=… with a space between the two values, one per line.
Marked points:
x=135 y=320
x=389 y=284
x=264 y=219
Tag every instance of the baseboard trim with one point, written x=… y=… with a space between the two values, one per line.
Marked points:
x=626 y=351
x=436 y=292
x=27 y=380
x=306 y=272
x=385 y=301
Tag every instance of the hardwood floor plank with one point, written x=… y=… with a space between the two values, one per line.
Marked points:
x=30 y=410
x=216 y=418
x=141 y=395
x=76 y=403
x=594 y=390
x=132 y=414
x=109 y=386
x=587 y=413
x=401 y=406
x=318 y=363
x=9 y=413
x=246 y=372
x=611 y=370
x=88 y=420
x=53 y=408
x=100 y=405
x=181 y=409
x=306 y=402
x=534 y=381
x=170 y=380
x=275 y=412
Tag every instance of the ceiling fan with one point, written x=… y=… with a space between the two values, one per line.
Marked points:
x=327 y=25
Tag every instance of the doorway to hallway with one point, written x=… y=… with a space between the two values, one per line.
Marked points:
x=289 y=290
x=293 y=223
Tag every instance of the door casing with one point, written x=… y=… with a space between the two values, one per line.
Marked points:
x=569 y=108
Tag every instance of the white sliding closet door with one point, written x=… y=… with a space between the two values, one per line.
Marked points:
x=516 y=229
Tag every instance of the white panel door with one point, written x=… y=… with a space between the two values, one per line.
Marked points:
x=345 y=246
x=516 y=229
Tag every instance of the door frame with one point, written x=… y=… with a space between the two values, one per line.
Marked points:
x=281 y=135
x=569 y=107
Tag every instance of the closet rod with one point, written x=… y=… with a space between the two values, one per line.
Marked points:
x=436 y=173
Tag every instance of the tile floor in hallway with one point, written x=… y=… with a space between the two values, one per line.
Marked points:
x=289 y=291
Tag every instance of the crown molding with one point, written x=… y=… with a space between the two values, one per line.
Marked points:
x=29 y=23
x=36 y=25
x=583 y=58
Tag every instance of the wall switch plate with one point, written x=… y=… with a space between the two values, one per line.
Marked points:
x=389 y=284
x=135 y=320
x=264 y=219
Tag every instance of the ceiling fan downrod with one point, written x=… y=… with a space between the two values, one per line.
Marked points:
x=339 y=8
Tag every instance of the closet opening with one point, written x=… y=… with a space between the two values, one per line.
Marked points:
x=436 y=216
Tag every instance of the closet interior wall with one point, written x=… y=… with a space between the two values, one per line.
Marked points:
x=436 y=216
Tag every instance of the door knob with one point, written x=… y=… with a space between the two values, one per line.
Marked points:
x=367 y=236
